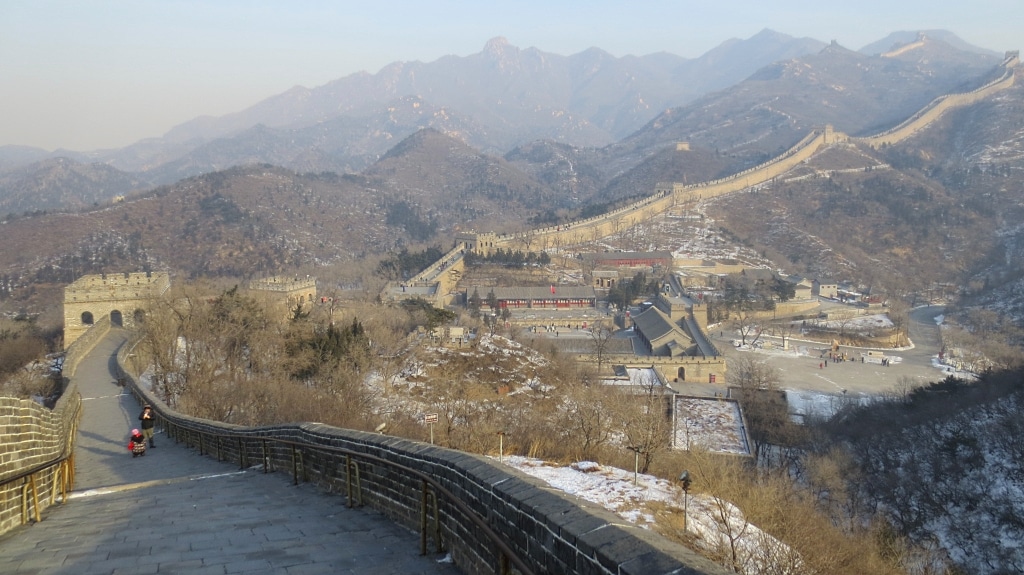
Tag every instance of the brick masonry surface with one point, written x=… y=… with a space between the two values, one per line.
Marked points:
x=31 y=436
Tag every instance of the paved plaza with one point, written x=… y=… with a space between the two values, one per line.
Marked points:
x=852 y=377
x=807 y=373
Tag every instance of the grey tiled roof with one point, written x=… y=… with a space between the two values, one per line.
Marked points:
x=654 y=324
x=660 y=330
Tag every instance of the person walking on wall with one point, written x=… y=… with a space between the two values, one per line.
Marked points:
x=148 y=420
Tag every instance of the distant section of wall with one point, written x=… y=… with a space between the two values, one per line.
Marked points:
x=906 y=47
x=590 y=229
x=437 y=283
x=709 y=267
x=664 y=198
x=939 y=106
x=759 y=174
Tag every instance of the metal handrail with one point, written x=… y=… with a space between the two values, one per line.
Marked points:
x=297 y=448
x=33 y=470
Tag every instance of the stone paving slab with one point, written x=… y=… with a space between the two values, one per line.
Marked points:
x=174 y=511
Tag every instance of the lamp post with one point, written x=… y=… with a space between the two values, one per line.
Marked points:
x=501 y=446
x=685 y=480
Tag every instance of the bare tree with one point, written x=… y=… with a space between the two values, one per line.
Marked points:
x=526 y=237
x=601 y=335
x=20 y=345
x=747 y=327
x=752 y=373
x=899 y=315
x=164 y=344
x=449 y=394
x=643 y=419
x=719 y=481
x=784 y=329
x=595 y=235
x=764 y=405
x=587 y=417
x=26 y=383
x=390 y=345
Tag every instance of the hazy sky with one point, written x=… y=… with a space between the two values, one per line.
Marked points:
x=88 y=74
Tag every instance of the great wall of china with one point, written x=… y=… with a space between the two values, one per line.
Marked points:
x=439 y=280
x=940 y=105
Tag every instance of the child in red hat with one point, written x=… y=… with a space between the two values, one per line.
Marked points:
x=137 y=444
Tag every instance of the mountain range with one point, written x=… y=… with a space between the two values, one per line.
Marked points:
x=510 y=136
x=335 y=180
x=504 y=97
x=494 y=100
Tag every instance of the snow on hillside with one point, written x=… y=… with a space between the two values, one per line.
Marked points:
x=613 y=489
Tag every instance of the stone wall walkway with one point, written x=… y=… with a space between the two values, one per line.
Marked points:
x=172 y=511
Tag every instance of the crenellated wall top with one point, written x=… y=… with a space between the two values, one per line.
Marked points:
x=106 y=287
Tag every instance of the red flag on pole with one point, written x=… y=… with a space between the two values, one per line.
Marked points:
x=552 y=289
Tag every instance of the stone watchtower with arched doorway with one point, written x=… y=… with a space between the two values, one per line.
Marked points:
x=288 y=294
x=121 y=297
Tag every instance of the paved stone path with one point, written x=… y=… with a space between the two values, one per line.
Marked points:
x=173 y=511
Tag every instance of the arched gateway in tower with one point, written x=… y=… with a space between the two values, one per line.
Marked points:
x=119 y=297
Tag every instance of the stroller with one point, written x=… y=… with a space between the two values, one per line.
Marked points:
x=137 y=444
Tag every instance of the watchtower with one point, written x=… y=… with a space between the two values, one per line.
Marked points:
x=122 y=297
x=480 y=243
x=287 y=292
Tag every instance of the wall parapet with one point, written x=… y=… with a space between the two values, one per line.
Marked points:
x=550 y=532
x=83 y=345
x=32 y=436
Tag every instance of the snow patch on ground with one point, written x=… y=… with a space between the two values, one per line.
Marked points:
x=709 y=520
x=712 y=424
